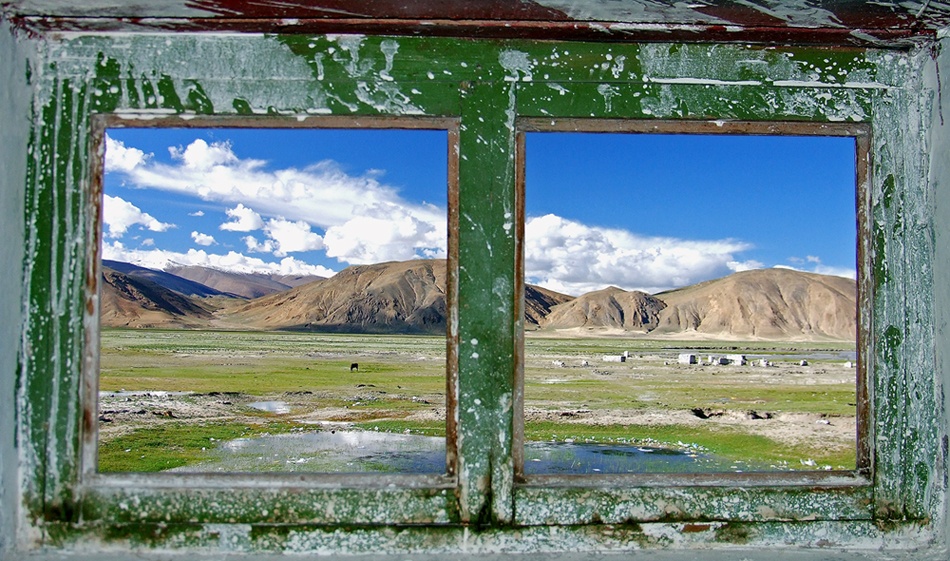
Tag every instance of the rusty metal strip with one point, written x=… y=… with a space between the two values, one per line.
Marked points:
x=89 y=384
x=663 y=126
x=865 y=300
x=451 y=297
x=899 y=37
x=517 y=425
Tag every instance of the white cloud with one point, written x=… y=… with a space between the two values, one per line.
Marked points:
x=256 y=246
x=119 y=215
x=291 y=236
x=202 y=239
x=836 y=271
x=739 y=266
x=121 y=158
x=816 y=266
x=388 y=233
x=571 y=257
x=199 y=155
x=232 y=261
x=243 y=219
x=197 y=213
x=322 y=195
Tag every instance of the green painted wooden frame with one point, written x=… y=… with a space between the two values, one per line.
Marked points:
x=487 y=86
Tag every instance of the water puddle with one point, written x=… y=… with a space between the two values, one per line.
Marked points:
x=570 y=458
x=327 y=452
x=352 y=451
x=279 y=407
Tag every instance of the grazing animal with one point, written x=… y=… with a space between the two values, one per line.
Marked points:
x=355 y=366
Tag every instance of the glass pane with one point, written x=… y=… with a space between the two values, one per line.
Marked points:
x=273 y=300
x=690 y=303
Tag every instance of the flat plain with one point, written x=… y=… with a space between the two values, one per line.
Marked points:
x=169 y=397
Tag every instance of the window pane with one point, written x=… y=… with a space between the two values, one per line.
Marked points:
x=273 y=300
x=690 y=303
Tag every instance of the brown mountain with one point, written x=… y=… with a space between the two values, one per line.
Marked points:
x=610 y=307
x=167 y=280
x=409 y=297
x=395 y=297
x=246 y=285
x=764 y=303
x=136 y=301
x=538 y=302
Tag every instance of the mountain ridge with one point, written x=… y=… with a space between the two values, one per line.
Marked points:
x=410 y=297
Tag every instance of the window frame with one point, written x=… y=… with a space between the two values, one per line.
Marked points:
x=487 y=85
x=259 y=485
x=531 y=487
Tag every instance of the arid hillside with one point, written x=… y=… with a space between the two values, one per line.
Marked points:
x=538 y=302
x=410 y=297
x=780 y=304
x=396 y=297
x=135 y=301
x=246 y=285
x=611 y=307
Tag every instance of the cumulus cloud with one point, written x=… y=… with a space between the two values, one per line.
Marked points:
x=232 y=261
x=574 y=258
x=356 y=219
x=197 y=213
x=201 y=156
x=119 y=215
x=388 y=233
x=322 y=194
x=243 y=219
x=283 y=237
x=257 y=246
x=202 y=239
x=292 y=236
x=121 y=158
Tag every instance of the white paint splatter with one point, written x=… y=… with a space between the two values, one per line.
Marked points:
x=389 y=49
x=608 y=92
x=518 y=65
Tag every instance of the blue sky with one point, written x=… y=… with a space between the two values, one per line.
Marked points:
x=697 y=206
x=646 y=212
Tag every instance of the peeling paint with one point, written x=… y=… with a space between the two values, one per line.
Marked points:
x=490 y=85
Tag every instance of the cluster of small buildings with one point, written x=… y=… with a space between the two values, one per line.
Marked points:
x=690 y=358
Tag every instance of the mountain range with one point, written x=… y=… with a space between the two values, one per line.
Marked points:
x=410 y=297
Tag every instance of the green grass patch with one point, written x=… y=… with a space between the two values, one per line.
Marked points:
x=423 y=428
x=172 y=445
x=728 y=443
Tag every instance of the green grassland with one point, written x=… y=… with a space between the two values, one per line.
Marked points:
x=400 y=377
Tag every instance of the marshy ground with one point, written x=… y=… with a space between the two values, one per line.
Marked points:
x=169 y=397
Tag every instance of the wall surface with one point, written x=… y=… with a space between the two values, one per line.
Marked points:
x=486 y=84
x=939 y=156
x=14 y=124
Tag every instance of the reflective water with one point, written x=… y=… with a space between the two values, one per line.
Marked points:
x=349 y=451
x=571 y=458
x=279 y=407
x=327 y=452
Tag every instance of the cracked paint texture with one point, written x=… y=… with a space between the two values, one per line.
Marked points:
x=487 y=85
